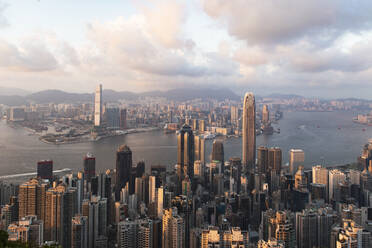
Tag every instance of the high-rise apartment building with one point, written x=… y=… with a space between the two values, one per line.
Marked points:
x=98 y=106
x=173 y=229
x=296 y=158
x=79 y=232
x=335 y=178
x=249 y=131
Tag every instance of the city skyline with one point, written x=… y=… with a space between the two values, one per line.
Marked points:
x=284 y=51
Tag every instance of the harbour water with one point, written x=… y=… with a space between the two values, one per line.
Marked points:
x=328 y=138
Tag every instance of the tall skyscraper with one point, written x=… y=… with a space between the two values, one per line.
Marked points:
x=249 y=131
x=31 y=198
x=159 y=201
x=89 y=166
x=218 y=152
x=335 y=178
x=265 y=114
x=79 y=232
x=112 y=117
x=262 y=159
x=45 y=169
x=199 y=148
x=275 y=159
x=306 y=229
x=234 y=114
x=152 y=189
x=98 y=106
x=173 y=229
x=123 y=119
x=123 y=168
x=185 y=151
x=296 y=158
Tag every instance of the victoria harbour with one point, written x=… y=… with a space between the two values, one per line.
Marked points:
x=328 y=138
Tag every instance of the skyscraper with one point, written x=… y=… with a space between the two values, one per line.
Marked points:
x=306 y=229
x=79 y=232
x=123 y=118
x=123 y=168
x=173 y=229
x=262 y=159
x=275 y=159
x=296 y=158
x=335 y=178
x=98 y=106
x=249 y=131
x=199 y=148
x=218 y=152
x=45 y=169
x=89 y=166
x=265 y=114
x=185 y=151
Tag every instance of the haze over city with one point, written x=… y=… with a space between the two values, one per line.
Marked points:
x=312 y=48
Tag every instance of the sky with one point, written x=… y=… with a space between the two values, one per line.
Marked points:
x=312 y=48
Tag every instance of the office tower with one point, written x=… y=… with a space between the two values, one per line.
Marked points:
x=45 y=169
x=152 y=188
x=173 y=229
x=79 y=232
x=265 y=114
x=296 y=158
x=320 y=176
x=201 y=126
x=318 y=192
x=139 y=189
x=123 y=119
x=186 y=152
x=137 y=233
x=234 y=115
x=249 y=131
x=236 y=166
x=200 y=148
x=262 y=159
x=123 y=167
x=112 y=116
x=27 y=230
x=218 y=152
x=198 y=169
x=98 y=106
x=275 y=159
x=354 y=176
x=300 y=179
x=159 y=201
x=335 y=178
x=54 y=214
x=306 y=229
x=89 y=166
x=69 y=210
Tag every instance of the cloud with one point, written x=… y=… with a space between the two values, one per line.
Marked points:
x=30 y=56
x=272 y=22
x=3 y=20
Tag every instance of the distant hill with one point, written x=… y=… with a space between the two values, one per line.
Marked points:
x=58 y=96
x=8 y=91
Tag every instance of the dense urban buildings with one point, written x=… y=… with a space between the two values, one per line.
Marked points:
x=204 y=199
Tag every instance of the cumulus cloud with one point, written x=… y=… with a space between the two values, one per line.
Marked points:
x=272 y=21
x=31 y=56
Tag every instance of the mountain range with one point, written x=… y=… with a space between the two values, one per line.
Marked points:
x=58 y=96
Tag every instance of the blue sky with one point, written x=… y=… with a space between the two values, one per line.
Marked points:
x=317 y=48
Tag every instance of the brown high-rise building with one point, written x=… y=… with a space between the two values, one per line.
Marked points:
x=185 y=151
x=218 y=152
x=53 y=225
x=199 y=148
x=89 y=166
x=275 y=159
x=123 y=168
x=265 y=114
x=201 y=126
x=31 y=199
x=249 y=132
x=45 y=169
x=123 y=119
